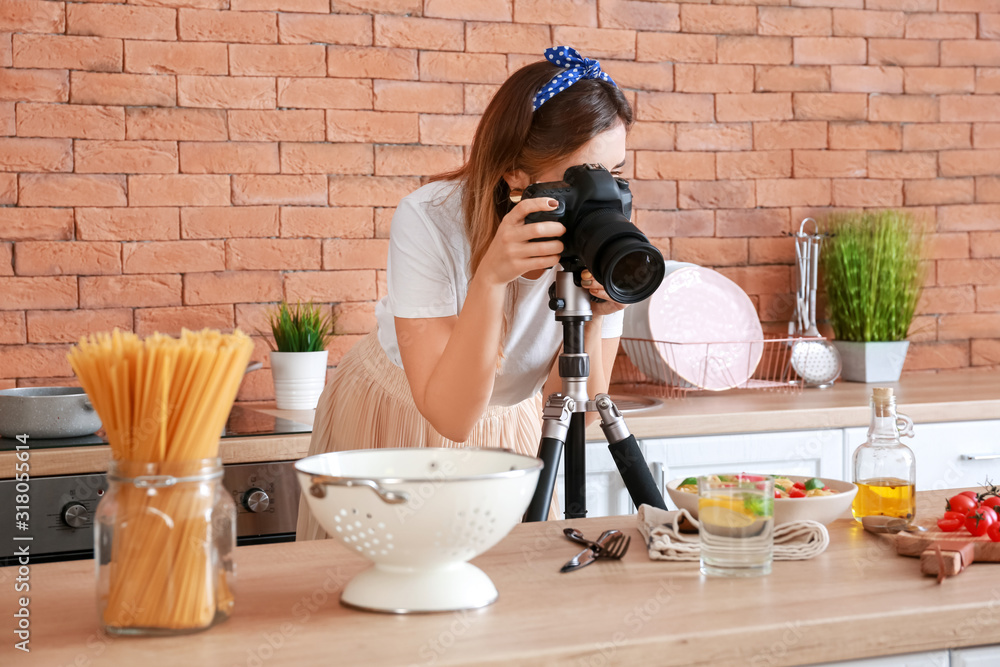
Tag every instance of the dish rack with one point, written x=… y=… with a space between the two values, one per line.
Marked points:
x=773 y=372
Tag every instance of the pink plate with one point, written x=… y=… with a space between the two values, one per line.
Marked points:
x=713 y=335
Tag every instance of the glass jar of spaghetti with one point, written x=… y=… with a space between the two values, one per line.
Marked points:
x=164 y=539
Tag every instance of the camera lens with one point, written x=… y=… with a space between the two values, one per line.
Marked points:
x=637 y=273
x=633 y=269
x=620 y=256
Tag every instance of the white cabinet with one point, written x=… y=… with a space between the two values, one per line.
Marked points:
x=980 y=656
x=927 y=659
x=949 y=455
x=818 y=453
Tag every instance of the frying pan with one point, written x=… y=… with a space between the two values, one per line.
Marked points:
x=52 y=412
x=47 y=412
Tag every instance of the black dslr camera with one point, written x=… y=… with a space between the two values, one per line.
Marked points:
x=594 y=206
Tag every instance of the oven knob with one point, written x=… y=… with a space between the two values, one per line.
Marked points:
x=75 y=515
x=256 y=500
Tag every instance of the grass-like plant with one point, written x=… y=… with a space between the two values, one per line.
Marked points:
x=300 y=327
x=873 y=274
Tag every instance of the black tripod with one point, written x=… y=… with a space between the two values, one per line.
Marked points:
x=564 y=415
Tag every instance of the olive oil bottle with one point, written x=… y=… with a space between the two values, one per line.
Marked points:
x=884 y=468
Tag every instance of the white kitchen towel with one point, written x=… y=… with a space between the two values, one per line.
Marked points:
x=665 y=540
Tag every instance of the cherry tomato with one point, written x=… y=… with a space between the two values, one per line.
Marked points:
x=796 y=493
x=971 y=494
x=950 y=525
x=777 y=494
x=992 y=501
x=979 y=521
x=799 y=485
x=751 y=478
x=961 y=503
x=994 y=532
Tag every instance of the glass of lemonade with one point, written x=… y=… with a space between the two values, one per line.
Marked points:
x=736 y=513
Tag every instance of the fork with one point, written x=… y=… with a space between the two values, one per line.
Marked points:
x=613 y=538
x=612 y=545
x=615 y=547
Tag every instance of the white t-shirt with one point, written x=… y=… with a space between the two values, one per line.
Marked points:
x=428 y=276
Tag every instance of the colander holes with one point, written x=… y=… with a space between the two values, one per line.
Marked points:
x=461 y=512
x=381 y=525
x=486 y=513
x=436 y=543
x=359 y=548
x=337 y=519
x=358 y=524
x=368 y=515
x=388 y=536
x=343 y=512
x=371 y=553
x=368 y=545
x=339 y=529
x=371 y=531
x=354 y=510
x=390 y=546
x=384 y=552
x=475 y=510
x=375 y=541
x=349 y=527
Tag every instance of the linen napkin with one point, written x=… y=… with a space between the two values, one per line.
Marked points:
x=672 y=535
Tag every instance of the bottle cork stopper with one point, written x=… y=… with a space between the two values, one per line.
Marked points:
x=882 y=400
x=882 y=393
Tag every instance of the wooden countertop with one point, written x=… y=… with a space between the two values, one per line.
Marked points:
x=857 y=599
x=940 y=397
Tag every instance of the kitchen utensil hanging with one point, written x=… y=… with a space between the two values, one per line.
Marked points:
x=814 y=358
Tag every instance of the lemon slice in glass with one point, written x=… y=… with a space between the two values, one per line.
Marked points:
x=724 y=517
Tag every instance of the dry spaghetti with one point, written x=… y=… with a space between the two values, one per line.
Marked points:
x=164 y=402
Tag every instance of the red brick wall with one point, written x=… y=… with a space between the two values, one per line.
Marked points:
x=186 y=162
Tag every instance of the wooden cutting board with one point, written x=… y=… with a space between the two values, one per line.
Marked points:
x=914 y=544
x=957 y=551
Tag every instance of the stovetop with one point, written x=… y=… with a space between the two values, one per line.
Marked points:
x=242 y=422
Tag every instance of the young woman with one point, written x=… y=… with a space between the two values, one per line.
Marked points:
x=465 y=337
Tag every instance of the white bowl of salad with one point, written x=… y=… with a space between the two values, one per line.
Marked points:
x=796 y=498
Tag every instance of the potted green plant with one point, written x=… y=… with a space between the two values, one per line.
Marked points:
x=873 y=273
x=298 y=360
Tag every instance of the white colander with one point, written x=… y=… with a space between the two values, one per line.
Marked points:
x=419 y=515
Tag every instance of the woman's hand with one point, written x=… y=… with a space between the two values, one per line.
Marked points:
x=514 y=250
x=595 y=288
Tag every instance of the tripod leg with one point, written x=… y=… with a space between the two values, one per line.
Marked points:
x=625 y=451
x=635 y=473
x=555 y=426
x=549 y=451
x=576 y=467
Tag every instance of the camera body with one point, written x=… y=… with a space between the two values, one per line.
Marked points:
x=594 y=206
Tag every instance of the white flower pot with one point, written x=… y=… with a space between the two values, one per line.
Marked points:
x=299 y=378
x=872 y=362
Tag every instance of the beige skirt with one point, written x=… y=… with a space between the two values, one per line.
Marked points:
x=368 y=405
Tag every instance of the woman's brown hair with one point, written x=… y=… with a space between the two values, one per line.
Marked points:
x=511 y=136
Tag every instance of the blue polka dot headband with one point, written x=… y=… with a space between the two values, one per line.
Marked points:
x=575 y=66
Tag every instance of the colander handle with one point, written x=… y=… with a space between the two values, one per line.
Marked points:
x=318 y=484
